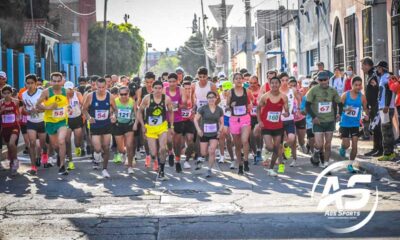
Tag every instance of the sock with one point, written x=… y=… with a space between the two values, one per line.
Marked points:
x=177 y=158
x=162 y=167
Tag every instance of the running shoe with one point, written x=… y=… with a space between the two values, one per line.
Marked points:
x=208 y=173
x=233 y=166
x=178 y=167
x=199 y=165
x=293 y=163
x=45 y=160
x=123 y=158
x=105 y=173
x=186 y=165
x=350 y=169
x=240 y=172
x=14 y=167
x=388 y=157
x=287 y=151
x=32 y=171
x=78 y=152
x=171 y=160
x=281 y=168
x=155 y=166
x=316 y=157
x=83 y=153
x=58 y=160
x=221 y=159
x=342 y=152
x=62 y=171
x=246 y=166
x=26 y=151
x=161 y=175
x=304 y=149
x=38 y=162
x=71 y=165
x=96 y=165
x=130 y=170
x=117 y=158
x=147 y=162
x=272 y=173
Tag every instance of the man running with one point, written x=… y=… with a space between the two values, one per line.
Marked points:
x=54 y=102
x=255 y=135
x=152 y=116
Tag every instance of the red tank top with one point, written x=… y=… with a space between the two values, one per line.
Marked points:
x=255 y=102
x=187 y=112
x=9 y=118
x=271 y=115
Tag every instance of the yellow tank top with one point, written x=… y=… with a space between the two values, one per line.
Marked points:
x=61 y=112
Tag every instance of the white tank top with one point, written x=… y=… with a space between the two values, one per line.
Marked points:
x=290 y=96
x=30 y=102
x=74 y=109
x=224 y=105
x=201 y=94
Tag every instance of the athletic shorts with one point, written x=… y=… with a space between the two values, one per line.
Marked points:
x=189 y=127
x=237 y=122
x=38 y=127
x=349 y=132
x=7 y=132
x=100 y=131
x=254 y=122
x=156 y=131
x=324 y=127
x=52 y=128
x=119 y=129
x=75 y=123
x=272 y=132
x=301 y=124
x=179 y=127
x=207 y=139
x=310 y=133
x=23 y=129
x=226 y=121
x=289 y=127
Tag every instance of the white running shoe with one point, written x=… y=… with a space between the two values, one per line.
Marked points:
x=326 y=164
x=123 y=157
x=272 y=173
x=233 y=165
x=293 y=163
x=130 y=170
x=186 y=165
x=221 y=159
x=105 y=173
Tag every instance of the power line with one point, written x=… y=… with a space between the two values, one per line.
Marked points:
x=77 y=13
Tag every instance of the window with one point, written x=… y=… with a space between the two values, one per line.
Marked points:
x=367 y=32
x=338 y=51
x=396 y=36
x=350 y=38
x=312 y=59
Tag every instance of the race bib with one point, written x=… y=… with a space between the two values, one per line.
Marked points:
x=101 y=115
x=239 y=110
x=210 y=128
x=154 y=121
x=186 y=113
x=124 y=113
x=353 y=112
x=59 y=113
x=273 y=116
x=8 y=118
x=24 y=118
x=324 y=107
x=254 y=111
x=175 y=106
x=202 y=103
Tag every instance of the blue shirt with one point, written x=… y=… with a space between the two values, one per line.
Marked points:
x=308 y=116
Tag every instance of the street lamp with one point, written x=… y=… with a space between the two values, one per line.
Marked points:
x=148 y=45
x=126 y=17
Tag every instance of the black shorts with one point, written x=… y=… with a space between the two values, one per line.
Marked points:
x=207 y=139
x=349 y=132
x=189 y=127
x=272 y=132
x=100 y=131
x=119 y=129
x=38 y=127
x=254 y=122
x=289 y=127
x=74 y=123
x=23 y=129
x=310 y=133
x=179 y=127
x=301 y=124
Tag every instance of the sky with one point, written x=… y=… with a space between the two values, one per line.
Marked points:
x=167 y=23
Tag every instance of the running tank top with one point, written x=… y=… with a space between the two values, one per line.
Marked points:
x=271 y=115
x=253 y=112
x=144 y=92
x=351 y=118
x=74 y=108
x=176 y=101
x=240 y=106
x=100 y=111
x=60 y=113
x=30 y=103
x=291 y=105
x=9 y=118
x=201 y=94
x=156 y=113
x=125 y=113
x=187 y=112
x=224 y=105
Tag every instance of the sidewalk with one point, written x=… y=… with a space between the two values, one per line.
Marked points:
x=380 y=169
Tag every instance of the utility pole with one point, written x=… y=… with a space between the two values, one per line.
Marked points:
x=225 y=55
x=105 y=38
x=249 y=43
x=204 y=36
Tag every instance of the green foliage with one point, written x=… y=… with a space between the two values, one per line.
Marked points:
x=165 y=64
x=191 y=55
x=125 y=49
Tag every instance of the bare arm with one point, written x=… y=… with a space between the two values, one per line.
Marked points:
x=43 y=96
x=85 y=107
x=170 y=110
x=215 y=89
x=260 y=105
x=140 y=111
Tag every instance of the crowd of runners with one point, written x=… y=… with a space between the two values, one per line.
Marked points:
x=205 y=120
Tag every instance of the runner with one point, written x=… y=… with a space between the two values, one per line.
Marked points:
x=239 y=101
x=266 y=87
x=322 y=102
x=154 y=124
x=123 y=128
x=255 y=135
x=98 y=108
x=9 y=111
x=75 y=122
x=269 y=111
x=353 y=104
x=54 y=102
x=299 y=117
x=209 y=128
x=35 y=125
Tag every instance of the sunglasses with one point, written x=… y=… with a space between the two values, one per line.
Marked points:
x=123 y=94
x=210 y=97
x=323 y=80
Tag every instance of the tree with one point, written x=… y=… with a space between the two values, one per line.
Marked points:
x=191 y=55
x=125 y=49
x=165 y=64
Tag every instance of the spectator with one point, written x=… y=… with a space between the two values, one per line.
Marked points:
x=321 y=68
x=337 y=81
x=394 y=86
x=349 y=76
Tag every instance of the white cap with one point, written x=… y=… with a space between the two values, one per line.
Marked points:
x=69 y=85
x=3 y=74
x=221 y=75
x=305 y=82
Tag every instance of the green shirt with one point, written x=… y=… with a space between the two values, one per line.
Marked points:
x=125 y=113
x=322 y=100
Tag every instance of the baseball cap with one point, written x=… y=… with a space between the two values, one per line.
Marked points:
x=221 y=75
x=383 y=64
x=227 y=85
x=179 y=69
x=3 y=74
x=69 y=85
x=305 y=82
x=323 y=75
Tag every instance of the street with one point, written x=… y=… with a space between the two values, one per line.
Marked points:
x=82 y=205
